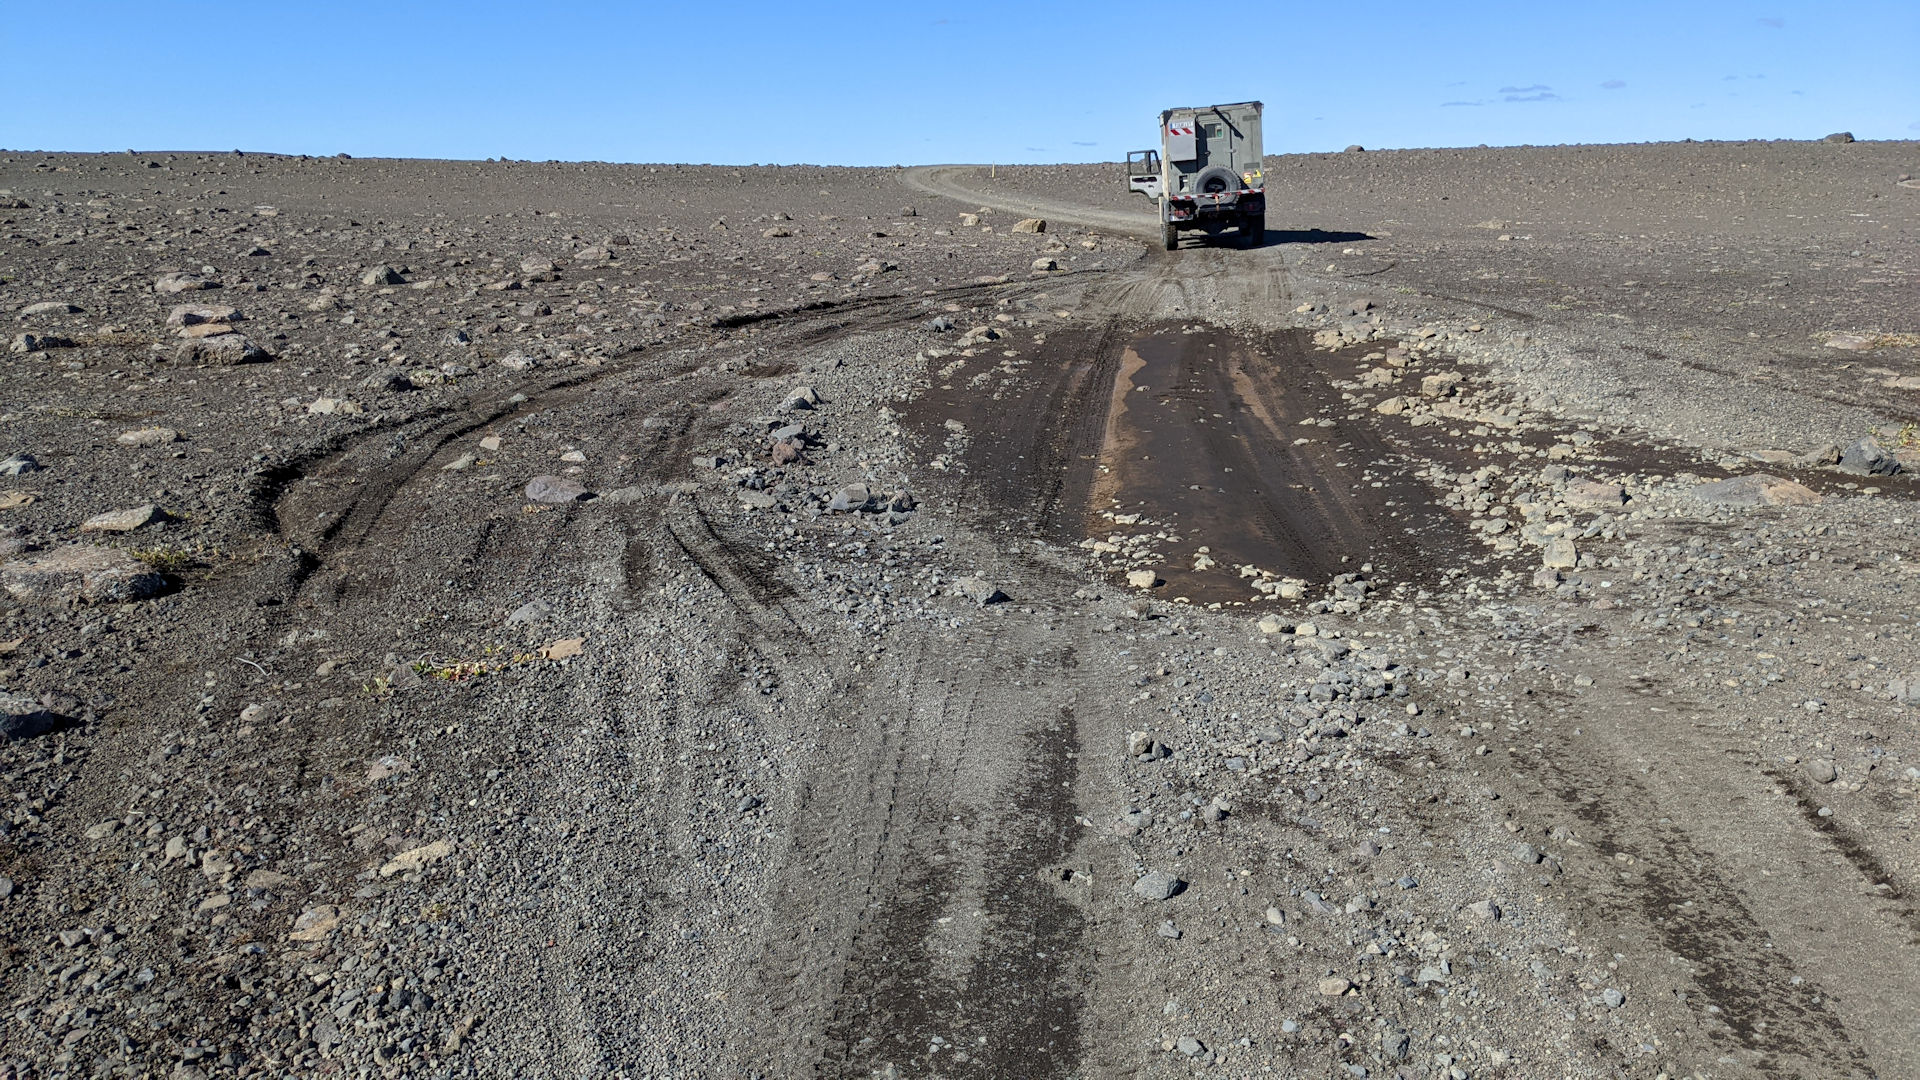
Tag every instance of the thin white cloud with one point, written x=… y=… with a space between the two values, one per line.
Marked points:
x=1534 y=89
x=1461 y=104
x=1613 y=84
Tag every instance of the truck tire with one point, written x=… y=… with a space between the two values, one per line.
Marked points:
x=1216 y=179
x=1253 y=230
x=1170 y=236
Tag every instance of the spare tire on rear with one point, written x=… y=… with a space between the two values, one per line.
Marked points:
x=1216 y=180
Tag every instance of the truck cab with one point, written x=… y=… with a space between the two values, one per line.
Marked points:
x=1208 y=173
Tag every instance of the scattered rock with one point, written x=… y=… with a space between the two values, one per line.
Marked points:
x=329 y=406
x=849 y=499
x=23 y=716
x=222 y=349
x=416 y=858
x=1157 y=885
x=147 y=438
x=315 y=923
x=1868 y=458
x=1591 y=495
x=1560 y=554
x=121 y=521
x=977 y=591
x=203 y=314
x=23 y=344
x=1334 y=986
x=1142 y=579
x=1822 y=771
x=80 y=572
x=183 y=282
x=1756 y=489
x=555 y=490
x=50 y=307
x=1839 y=137
x=531 y=612
x=19 y=465
x=382 y=275
x=1029 y=225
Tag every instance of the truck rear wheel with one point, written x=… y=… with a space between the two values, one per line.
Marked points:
x=1253 y=230
x=1170 y=236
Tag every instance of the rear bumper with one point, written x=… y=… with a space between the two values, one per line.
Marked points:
x=1200 y=209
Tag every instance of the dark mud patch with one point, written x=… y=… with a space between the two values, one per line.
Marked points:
x=1200 y=442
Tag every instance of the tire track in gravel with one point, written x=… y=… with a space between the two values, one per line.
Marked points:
x=1679 y=819
x=933 y=943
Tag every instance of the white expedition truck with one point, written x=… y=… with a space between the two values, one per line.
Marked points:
x=1207 y=173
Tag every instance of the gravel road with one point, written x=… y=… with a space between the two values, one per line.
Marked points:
x=550 y=619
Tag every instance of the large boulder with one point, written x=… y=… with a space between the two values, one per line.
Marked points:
x=1756 y=489
x=223 y=349
x=80 y=573
x=24 y=717
x=1868 y=458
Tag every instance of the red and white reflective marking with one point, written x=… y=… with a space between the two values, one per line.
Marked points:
x=1178 y=129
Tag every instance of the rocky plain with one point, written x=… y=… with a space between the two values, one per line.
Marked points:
x=568 y=619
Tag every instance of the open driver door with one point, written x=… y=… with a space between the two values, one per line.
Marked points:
x=1143 y=173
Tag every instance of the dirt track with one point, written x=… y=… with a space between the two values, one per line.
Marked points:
x=801 y=805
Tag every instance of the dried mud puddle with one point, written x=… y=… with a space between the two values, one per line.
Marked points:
x=1222 y=464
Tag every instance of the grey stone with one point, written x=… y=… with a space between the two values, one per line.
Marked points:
x=1868 y=458
x=19 y=465
x=33 y=343
x=1560 y=554
x=186 y=315
x=224 y=349
x=80 y=572
x=1839 y=137
x=555 y=490
x=1189 y=1046
x=50 y=307
x=1756 y=489
x=977 y=591
x=1169 y=931
x=851 y=498
x=1157 y=885
x=1591 y=494
x=120 y=521
x=1821 y=771
x=1613 y=998
x=183 y=282
x=147 y=438
x=25 y=717
x=382 y=275
x=532 y=611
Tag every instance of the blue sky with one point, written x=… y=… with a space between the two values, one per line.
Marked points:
x=909 y=82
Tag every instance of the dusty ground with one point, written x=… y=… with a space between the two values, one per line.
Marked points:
x=1470 y=725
